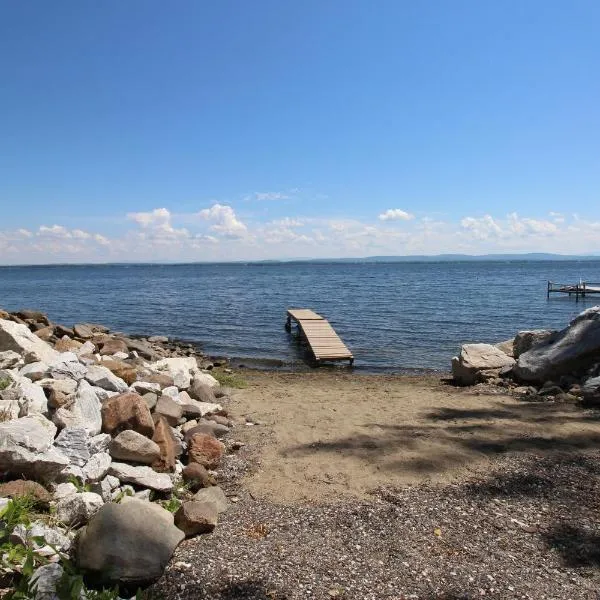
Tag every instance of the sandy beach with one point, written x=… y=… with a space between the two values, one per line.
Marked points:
x=384 y=487
x=326 y=436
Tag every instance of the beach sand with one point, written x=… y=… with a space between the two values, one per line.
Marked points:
x=326 y=436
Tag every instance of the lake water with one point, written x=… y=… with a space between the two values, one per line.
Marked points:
x=394 y=316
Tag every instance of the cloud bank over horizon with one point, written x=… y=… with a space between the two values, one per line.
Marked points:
x=219 y=232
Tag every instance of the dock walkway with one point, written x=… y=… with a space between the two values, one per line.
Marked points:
x=323 y=341
x=582 y=288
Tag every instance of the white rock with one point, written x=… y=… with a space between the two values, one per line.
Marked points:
x=102 y=377
x=34 y=371
x=206 y=379
x=32 y=396
x=68 y=370
x=4 y=502
x=143 y=476
x=475 y=359
x=64 y=386
x=71 y=472
x=87 y=348
x=120 y=356
x=103 y=488
x=113 y=481
x=77 y=509
x=10 y=359
x=180 y=369
x=26 y=448
x=172 y=391
x=17 y=337
x=65 y=357
x=143 y=387
x=84 y=412
x=97 y=467
x=12 y=404
x=44 y=581
x=73 y=443
x=52 y=536
x=143 y=495
x=99 y=443
x=205 y=408
x=63 y=490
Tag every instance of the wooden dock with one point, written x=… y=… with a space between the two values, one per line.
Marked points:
x=581 y=289
x=324 y=343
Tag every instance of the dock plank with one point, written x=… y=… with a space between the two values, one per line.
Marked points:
x=321 y=337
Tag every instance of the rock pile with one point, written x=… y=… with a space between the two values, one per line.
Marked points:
x=563 y=365
x=106 y=429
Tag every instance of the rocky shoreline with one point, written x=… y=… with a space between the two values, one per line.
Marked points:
x=540 y=364
x=109 y=447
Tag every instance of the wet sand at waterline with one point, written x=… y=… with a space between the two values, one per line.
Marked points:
x=323 y=436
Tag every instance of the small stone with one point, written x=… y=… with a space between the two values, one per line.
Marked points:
x=168 y=445
x=213 y=494
x=205 y=450
x=77 y=509
x=99 y=443
x=169 y=409
x=97 y=466
x=44 y=581
x=196 y=476
x=100 y=376
x=62 y=490
x=112 y=346
x=142 y=476
x=73 y=443
x=132 y=446
x=9 y=359
x=144 y=387
x=150 y=398
x=196 y=517
x=22 y=487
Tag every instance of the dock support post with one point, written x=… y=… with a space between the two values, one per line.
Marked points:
x=548 y=292
x=288 y=324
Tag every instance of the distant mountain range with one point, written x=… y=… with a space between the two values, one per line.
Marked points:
x=533 y=256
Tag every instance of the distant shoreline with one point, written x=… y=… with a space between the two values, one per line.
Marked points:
x=417 y=258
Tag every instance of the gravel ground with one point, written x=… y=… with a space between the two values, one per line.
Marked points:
x=528 y=530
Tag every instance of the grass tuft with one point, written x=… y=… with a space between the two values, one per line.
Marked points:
x=232 y=380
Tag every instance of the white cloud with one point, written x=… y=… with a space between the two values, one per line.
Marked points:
x=218 y=233
x=226 y=222
x=155 y=218
x=395 y=214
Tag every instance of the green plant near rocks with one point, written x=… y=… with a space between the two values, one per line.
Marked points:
x=4 y=383
x=20 y=562
x=232 y=380
x=81 y=487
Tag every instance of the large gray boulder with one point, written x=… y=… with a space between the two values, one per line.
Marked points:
x=26 y=448
x=17 y=337
x=526 y=340
x=128 y=543
x=571 y=351
x=590 y=390
x=475 y=360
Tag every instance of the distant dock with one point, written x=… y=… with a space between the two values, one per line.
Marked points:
x=581 y=289
x=320 y=336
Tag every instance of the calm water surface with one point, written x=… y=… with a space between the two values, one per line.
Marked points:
x=394 y=316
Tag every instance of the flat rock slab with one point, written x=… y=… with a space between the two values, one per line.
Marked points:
x=143 y=476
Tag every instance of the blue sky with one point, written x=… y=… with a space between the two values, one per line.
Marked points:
x=147 y=130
